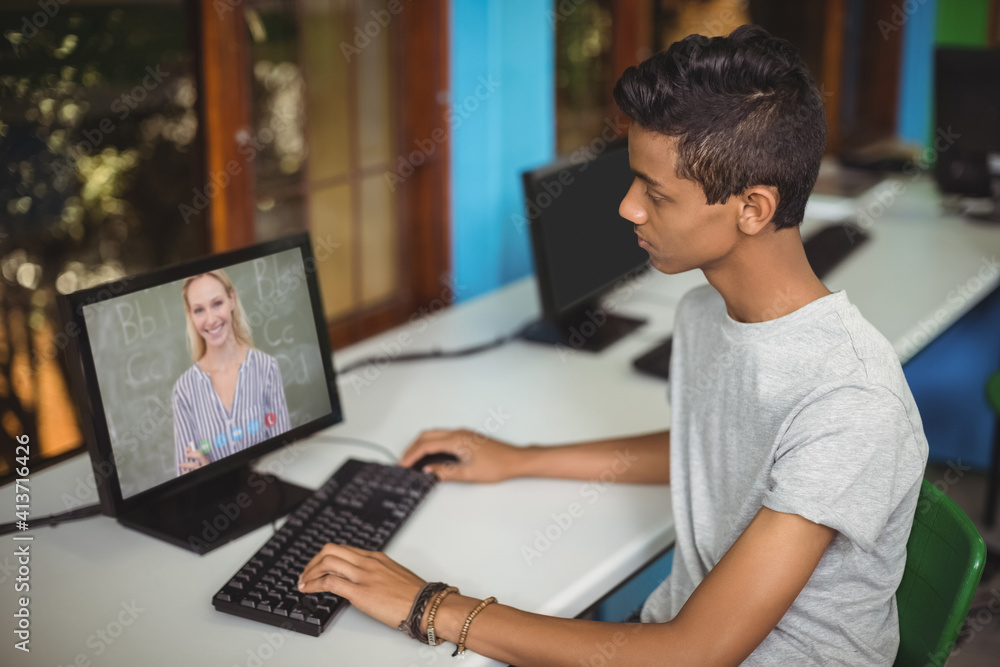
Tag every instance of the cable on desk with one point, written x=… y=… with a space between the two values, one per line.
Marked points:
x=339 y=439
x=393 y=458
x=55 y=519
x=91 y=510
x=436 y=353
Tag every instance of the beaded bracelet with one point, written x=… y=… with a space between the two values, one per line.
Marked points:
x=432 y=613
x=411 y=624
x=460 y=649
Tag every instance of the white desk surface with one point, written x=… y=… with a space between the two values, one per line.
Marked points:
x=921 y=270
x=917 y=274
x=468 y=535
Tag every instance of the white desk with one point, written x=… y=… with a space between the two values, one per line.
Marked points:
x=85 y=575
x=922 y=269
x=471 y=536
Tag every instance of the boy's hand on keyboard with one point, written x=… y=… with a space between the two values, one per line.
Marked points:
x=370 y=580
x=481 y=459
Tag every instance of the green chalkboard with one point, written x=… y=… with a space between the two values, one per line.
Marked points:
x=139 y=346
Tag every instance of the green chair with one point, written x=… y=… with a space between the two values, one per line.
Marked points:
x=945 y=556
x=993 y=477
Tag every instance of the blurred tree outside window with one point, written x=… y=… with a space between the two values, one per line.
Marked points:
x=99 y=141
x=855 y=66
x=585 y=73
x=118 y=117
x=335 y=110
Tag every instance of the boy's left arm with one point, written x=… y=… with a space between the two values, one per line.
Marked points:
x=728 y=615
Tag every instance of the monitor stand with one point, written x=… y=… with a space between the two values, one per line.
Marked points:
x=589 y=328
x=210 y=514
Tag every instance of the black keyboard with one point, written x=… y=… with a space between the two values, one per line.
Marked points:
x=655 y=362
x=825 y=250
x=831 y=245
x=362 y=505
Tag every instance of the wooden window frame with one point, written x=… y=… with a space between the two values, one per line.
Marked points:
x=420 y=57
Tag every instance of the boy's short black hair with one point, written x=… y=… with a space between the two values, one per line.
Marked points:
x=745 y=112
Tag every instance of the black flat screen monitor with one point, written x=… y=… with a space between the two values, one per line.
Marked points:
x=582 y=247
x=185 y=375
x=967 y=105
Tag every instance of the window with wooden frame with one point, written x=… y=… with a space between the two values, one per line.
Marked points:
x=324 y=102
x=855 y=65
x=137 y=134
x=100 y=140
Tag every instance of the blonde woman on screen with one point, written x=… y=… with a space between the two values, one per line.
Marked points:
x=232 y=397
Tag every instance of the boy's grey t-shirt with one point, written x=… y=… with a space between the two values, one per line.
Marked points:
x=808 y=414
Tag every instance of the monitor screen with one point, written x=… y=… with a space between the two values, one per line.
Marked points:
x=967 y=104
x=581 y=245
x=196 y=364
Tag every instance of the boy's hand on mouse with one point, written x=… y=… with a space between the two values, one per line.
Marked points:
x=480 y=459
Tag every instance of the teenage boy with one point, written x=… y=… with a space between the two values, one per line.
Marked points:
x=796 y=452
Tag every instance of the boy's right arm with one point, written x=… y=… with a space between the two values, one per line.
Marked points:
x=640 y=459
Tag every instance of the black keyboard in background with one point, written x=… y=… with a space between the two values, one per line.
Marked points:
x=831 y=245
x=655 y=362
x=362 y=505
x=825 y=250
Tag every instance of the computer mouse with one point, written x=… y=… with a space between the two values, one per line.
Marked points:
x=434 y=458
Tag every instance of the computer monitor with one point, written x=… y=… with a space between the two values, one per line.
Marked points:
x=228 y=355
x=582 y=247
x=967 y=104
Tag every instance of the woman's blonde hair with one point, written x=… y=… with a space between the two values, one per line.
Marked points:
x=241 y=329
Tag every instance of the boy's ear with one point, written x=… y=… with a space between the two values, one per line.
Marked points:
x=757 y=207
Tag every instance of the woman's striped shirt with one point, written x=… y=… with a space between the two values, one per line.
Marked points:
x=259 y=410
